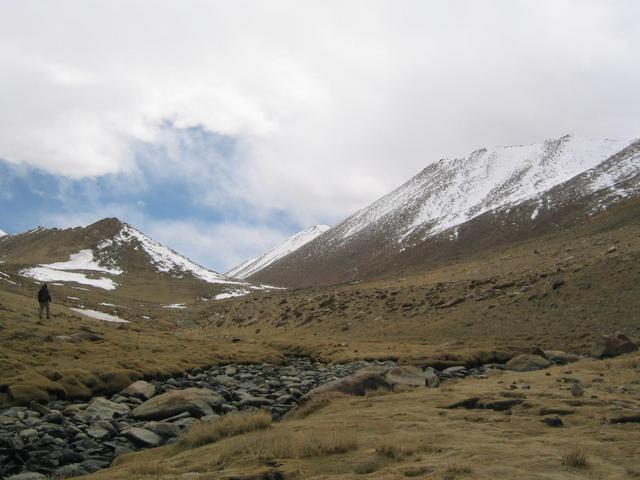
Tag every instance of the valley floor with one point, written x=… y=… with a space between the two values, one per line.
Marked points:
x=560 y=291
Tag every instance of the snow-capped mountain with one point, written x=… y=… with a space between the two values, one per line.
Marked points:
x=2 y=233
x=111 y=255
x=454 y=193
x=292 y=244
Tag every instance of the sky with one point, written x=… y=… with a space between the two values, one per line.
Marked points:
x=222 y=127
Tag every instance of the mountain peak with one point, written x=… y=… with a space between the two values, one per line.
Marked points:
x=293 y=243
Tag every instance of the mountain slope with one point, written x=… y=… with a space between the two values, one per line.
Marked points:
x=2 y=233
x=463 y=205
x=253 y=266
x=114 y=257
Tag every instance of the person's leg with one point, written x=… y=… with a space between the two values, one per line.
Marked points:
x=47 y=309
x=41 y=310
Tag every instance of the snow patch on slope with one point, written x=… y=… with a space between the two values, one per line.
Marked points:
x=254 y=265
x=68 y=271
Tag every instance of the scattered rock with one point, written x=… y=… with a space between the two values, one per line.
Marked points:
x=405 y=376
x=560 y=357
x=140 y=389
x=367 y=379
x=577 y=390
x=613 y=345
x=144 y=437
x=553 y=421
x=196 y=401
x=527 y=363
x=28 y=476
x=105 y=409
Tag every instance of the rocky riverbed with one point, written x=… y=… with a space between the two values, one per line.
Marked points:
x=71 y=439
x=65 y=438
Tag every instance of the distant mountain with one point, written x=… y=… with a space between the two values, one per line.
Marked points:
x=112 y=256
x=253 y=266
x=465 y=204
x=2 y=233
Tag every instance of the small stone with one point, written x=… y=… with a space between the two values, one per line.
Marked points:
x=553 y=421
x=140 y=389
x=577 y=390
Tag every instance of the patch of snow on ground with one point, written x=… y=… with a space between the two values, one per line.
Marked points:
x=231 y=294
x=73 y=298
x=67 y=271
x=105 y=317
x=44 y=274
x=83 y=260
x=175 y=305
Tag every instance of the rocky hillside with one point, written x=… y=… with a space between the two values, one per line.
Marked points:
x=465 y=205
x=253 y=266
x=110 y=256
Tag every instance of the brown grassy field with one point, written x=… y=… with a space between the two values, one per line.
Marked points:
x=413 y=435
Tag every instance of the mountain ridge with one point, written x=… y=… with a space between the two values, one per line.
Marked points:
x=254 y=265
x=559 y=177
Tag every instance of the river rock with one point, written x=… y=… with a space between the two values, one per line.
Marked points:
x=527 y=363
x=560 y=357
x=105 y=409
x=405 y=376
x=164 y=429
x=196 y=401
x=366 y=379
x=613 y=345
x=28 y=476
x=140 y=389
x=144 y=437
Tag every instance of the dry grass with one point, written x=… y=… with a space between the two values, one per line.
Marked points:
x=454 y=471
x=396 y=446
x=575 y=458
x=285 y=443
x=203 y=433
x=147 y=467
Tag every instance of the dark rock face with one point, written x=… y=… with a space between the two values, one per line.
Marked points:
x=614 y=345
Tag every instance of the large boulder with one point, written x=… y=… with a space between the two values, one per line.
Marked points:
x=527 y=363
x=359 y=383
x=613 y=345
x=140 y=389
x=560 y=357
x=198 y=402
x=106 y=409
x=406 y=376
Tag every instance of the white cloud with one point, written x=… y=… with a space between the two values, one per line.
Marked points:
x=332 y=103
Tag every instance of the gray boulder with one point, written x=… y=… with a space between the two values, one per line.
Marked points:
x=105 y=409
x=195 y=401
x=28 y=476
x=140 y=389
x=164 y=429
x=613 y=345
x=143 y=437
x=406 y=376
x=527 y=363
x=366 y=379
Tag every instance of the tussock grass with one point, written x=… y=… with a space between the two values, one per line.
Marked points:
x=396 y=446
x=454 y=471
x=145 y=466
x=309 y=408
x=203 y=433
x=575 y=458
x=286 y=443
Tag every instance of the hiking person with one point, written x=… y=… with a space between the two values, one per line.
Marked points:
x=44 y=299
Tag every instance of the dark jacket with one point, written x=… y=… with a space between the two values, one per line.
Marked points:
x=44 y=295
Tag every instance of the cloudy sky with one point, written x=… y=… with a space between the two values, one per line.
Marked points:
x=220 y=128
